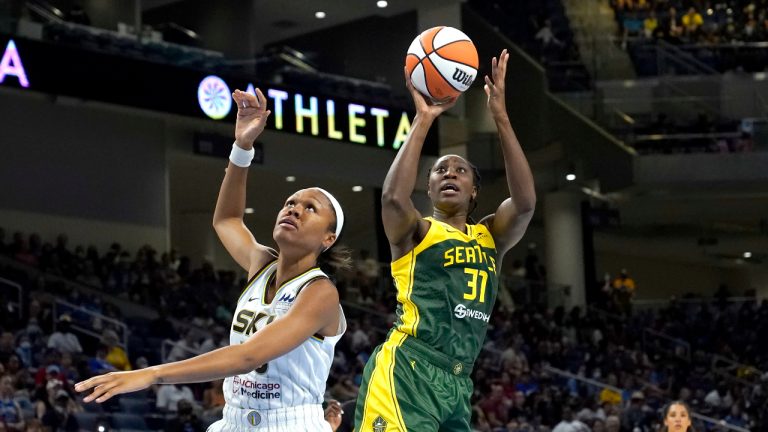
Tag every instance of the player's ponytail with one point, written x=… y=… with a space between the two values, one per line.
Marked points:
x=336 y=258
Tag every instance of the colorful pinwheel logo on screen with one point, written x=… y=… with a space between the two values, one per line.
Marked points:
x=214 y=97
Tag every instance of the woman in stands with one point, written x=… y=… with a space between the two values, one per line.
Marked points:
x=288 y=317
x=445 y=269
x=677 y=417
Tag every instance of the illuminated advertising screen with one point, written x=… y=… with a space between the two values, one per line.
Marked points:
x=107 y=77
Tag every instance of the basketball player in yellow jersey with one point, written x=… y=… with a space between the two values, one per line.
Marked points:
x=446 y=274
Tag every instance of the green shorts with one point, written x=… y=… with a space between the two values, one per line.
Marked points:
x=408 y=386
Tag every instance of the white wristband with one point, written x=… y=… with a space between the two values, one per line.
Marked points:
x=240 y=157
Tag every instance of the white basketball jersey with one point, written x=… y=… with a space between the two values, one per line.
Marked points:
x=293 y=379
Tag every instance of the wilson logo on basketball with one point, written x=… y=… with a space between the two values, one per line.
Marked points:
x=462 y=77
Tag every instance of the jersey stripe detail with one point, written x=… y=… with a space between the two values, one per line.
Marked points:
x=288 y=282
x=254 y=277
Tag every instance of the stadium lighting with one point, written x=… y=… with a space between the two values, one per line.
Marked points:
x=747 y=254
x=249 y=210
x=319 y=14
x=382 y=3
x=357 y=188
x=290 y=179
x=570 y=177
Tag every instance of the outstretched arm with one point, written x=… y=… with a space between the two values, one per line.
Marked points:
x=399 y=215
x=228 y=221
x=315 y=308
x=514 y=214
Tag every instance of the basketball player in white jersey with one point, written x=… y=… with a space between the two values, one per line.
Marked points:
x=287 y=319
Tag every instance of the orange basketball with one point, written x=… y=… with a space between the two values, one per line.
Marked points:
x=442 y=62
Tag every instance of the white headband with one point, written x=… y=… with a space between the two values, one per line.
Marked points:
x=337 y=209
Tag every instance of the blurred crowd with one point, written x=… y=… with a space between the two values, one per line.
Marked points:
x=695 y=21
x=541 y=369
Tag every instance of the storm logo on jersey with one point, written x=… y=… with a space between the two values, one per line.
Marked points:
x=379 y=424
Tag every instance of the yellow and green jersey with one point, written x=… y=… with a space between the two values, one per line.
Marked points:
x=446 y=288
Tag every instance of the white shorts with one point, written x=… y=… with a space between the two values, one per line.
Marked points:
x=302 y=418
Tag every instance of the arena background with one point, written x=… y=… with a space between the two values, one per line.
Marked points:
x=103 y=140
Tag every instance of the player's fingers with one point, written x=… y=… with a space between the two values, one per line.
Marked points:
x=106 y=396
x=260 y=99
x=240 y=99
x=489 y=83
x=91 y=382
x=408 y=83
x=97 y=392
x=505 y=59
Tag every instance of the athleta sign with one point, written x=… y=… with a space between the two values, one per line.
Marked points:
x=320 y=117
x=12 y=67
x=87 y=75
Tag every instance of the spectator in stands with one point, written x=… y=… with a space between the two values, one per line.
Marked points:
x=635 y=415
x=737 y=417
x=495 y=406
x=89 y=276
x=40 y=318
x=719 y=398
x=98 y=364
x=672 y=30
x=167 y=270
x=7 y=346
x=56 y=409
x=50 y=373
x=650 y=24
x=342 y=387
x=21 y=251
x=11 y=416
x=67 y=370
x=692 y=22
x=745 y=143
x=116 y=355
x=369 y=268
x=142 y=363
x=569 y=423
x=624 y=291
x=185 y=420
x=13 y=368
x=24 y=350
x=215 y=339
x=63 y=340
x=608 y=395
x=185 y=348
x=612 y=424
x=360 y=339
x=598 y=426
x=64 y=255
x=677 y=417
x=546 y=36
x=34 y=425
x=162 y=327
x=169 y=395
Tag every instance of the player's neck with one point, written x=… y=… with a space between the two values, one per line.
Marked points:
x=456 y=220
x=289 y=266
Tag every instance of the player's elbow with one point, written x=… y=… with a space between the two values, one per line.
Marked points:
x=249 y=361
x=528 y=207
x=527 y=204
x=393 y=199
